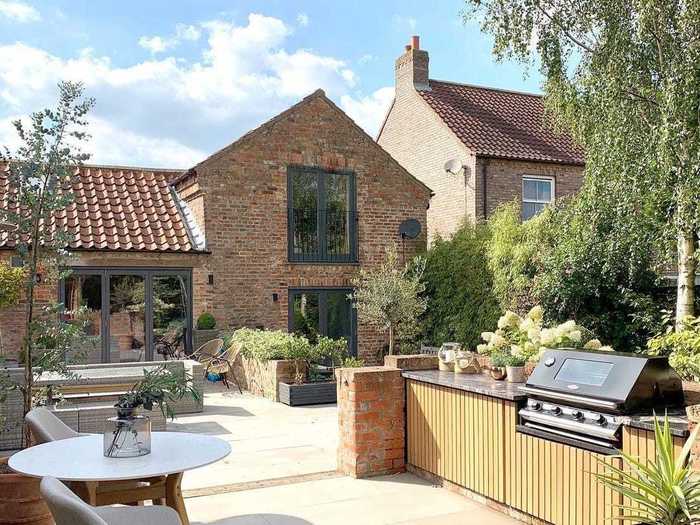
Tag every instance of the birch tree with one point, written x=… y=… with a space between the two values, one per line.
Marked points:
x=623 y=76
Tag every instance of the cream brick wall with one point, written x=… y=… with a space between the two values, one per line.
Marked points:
x=415 y=137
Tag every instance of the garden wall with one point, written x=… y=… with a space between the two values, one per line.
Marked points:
x=262 y=378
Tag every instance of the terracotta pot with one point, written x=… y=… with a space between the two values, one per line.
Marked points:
x=20 y=500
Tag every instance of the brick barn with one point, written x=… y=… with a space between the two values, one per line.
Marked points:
x=267 y=232
x=498 y=143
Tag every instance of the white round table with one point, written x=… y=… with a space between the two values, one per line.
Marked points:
x=81 y=459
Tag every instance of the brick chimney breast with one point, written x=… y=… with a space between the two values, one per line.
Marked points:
x=411 y=68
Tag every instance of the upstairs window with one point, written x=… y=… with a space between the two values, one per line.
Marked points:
x=537 y=193
x=321 y=215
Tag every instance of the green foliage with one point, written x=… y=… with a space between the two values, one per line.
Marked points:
x=159 y=387
x=206 y=321
x=622 y=77
x=353 y=362
x=390 y=297
x=39 y=170
x=514 y=253
x=12 y=282
x=458 y=288
x=665 y=492
x=579 y=261
x=682 y=349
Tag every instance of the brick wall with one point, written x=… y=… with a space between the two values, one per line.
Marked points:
x=244 y=188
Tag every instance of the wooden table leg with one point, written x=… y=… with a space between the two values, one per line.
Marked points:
x=87 y=490
x=173 y=496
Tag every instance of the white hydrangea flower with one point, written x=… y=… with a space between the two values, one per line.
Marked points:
x=536 y=313
x=567 y=326
x=498 y=341
x=482 y=349
x=593 y=344
x=547 y=336
x=606 y=348
x=509 y=320
x=486 y=336
x=526 y=324
x=516 y=350
x=575 y=336
x=534 y=335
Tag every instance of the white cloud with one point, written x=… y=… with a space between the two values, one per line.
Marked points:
x=369 y=112
x=366 y=59
x=303 y=19
x=19 y=11
x=170 y=111
x=405 y=22
x=156 y=44
x=187 y=32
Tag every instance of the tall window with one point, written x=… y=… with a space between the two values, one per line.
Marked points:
x=537 y=193
x=322 y=215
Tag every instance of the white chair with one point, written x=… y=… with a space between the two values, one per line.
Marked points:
x=68 y=509
x=46 y=427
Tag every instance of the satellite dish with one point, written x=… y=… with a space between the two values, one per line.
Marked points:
x=454 y=166
x=409 y=229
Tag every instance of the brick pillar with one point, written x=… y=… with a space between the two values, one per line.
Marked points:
x=371 y=417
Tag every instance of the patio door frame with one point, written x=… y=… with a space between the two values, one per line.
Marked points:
x=148 y=274
x=323 y=310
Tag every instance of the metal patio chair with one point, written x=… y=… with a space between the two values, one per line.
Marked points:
x=215 y=361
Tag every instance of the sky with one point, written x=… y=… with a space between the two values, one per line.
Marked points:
x=176 y=80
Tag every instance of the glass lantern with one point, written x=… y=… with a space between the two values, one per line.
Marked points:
x=127 y=436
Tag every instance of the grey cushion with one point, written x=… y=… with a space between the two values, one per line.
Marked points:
x=68 y=509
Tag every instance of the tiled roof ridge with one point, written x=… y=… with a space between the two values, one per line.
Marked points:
x=488 y=88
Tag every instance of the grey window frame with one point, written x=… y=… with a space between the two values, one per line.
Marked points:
x=322 y=255
x=536 y=178
x=322 y=309
x=147 y=274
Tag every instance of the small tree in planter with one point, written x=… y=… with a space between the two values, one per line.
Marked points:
x=389 y=297
x=39 y=175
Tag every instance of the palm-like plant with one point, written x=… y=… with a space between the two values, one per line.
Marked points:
x=665 y=492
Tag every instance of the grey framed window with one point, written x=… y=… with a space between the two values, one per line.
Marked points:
x=322 y=215
x=537 y=193
x=323 y=311
x=133 y=314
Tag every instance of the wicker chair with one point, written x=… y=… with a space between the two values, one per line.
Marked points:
x=215 y=361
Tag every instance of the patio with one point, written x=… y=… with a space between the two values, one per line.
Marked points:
x=282 y=471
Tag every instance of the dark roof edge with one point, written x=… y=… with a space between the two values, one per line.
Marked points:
x=123 y=250
x=530 y=159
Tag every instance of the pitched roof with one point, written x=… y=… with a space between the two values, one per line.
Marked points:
x=498 y=123
x=319 y=93
x=117 y=208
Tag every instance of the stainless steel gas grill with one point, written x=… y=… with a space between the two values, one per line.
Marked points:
x=581 y=398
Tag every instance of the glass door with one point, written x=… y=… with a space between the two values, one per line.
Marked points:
x=170 y=310
x=83 y=303
x=127 y=318
x=327 y=312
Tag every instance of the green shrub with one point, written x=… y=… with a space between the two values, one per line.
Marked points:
x=206 y=321
x=12 y=282
x=268 y=345
x=682 y=349
x=458 y=286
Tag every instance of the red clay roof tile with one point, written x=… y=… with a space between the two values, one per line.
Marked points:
x=116 y=208
x=497 y=123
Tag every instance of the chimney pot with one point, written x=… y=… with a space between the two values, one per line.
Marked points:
x=415 y=42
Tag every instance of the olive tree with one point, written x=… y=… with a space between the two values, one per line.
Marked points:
x=623 y=77
x=389 y=296
x=39 y=174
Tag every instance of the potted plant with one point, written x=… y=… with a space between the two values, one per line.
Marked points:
x=314 y=379
x=129 y=433
x=205 y=329
x=515 y=368
x=499 y=361
x=37 y=171
x=665 y=492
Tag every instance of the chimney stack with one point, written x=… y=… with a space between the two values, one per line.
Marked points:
x=411 y=68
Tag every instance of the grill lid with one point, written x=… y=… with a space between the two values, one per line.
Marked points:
x=612 y=381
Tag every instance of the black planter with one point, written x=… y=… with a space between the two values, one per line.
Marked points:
x=319 y=393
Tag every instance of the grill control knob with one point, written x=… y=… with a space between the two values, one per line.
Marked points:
x=601 y=419
x=556 y=411
x=534 y=405
x=549 y=361
x=577 y=414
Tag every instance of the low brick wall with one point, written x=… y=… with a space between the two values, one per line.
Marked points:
x=262 y=378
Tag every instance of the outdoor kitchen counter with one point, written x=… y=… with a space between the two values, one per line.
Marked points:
x=486 y=386
x=463 y=429
x=475 y=383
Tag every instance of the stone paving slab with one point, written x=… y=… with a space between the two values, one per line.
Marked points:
x=392 y=500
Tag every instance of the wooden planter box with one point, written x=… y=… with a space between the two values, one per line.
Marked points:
x=320 y=393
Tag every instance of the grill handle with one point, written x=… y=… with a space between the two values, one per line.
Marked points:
x=590 y=402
